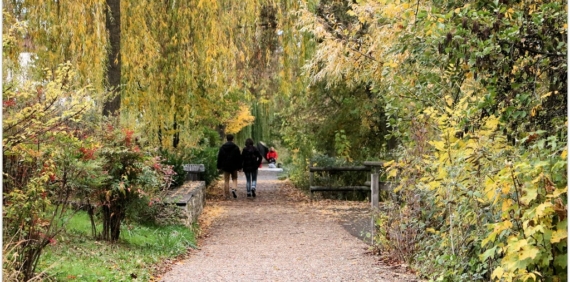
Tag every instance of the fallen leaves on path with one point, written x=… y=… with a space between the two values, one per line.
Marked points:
x=210 y=213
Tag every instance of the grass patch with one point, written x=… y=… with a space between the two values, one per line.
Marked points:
x=76 y=256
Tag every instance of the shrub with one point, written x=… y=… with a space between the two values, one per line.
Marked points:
x=177 y=158
x=207 y=156
x=43 y=167
x=481 y=208
x=132 y=174
x=201 y=155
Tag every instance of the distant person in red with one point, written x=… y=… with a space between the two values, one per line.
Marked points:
x=271 y=157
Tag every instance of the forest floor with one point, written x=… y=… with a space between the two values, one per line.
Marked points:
x=281 y=236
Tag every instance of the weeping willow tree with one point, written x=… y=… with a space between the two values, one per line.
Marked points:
x=190 y=80
x=210 y=59
x=273 y=72
x=184 y=66
x=63 y=31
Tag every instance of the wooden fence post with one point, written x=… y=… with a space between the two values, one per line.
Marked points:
x=374 y=183
x=310 y=181
x=375 y=193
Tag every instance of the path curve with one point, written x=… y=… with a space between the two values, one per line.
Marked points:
x=277 y=236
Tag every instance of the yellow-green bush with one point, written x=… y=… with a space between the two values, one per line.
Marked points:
x=485 y=209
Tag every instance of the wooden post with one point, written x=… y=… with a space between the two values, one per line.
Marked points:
x=310 y=182
x=375 y=193
x=374 y=183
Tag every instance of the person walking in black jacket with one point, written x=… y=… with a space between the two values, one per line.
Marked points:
x=251 y=161
x=229 y=161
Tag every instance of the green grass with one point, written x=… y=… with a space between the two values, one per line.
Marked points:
x=76 y=256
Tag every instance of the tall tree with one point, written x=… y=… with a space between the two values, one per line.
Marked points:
x=190 y=82
x=64 y=31
x=113 y=25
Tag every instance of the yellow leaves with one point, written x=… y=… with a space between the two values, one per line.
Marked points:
x=559 y=235
x=499 y=227
x=439 y=145
x=530 y=195
x=393 y=10
x=506 y=189
x=509 y=13
x=558 y=192
x=529 y=277
x=528 y=252
x=441 y=172
x=534 y=111
x=531 y=230
x=434 y=185
x=516 y=244
x=491 y=123
x=490 y=190
x=564 y=154
x=497 y=273
x=239 y=119
x=548 y=94
x=507 y=205
x=544 y=209
x=392 y=173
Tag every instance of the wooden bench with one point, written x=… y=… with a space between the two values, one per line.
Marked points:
x=193 y=171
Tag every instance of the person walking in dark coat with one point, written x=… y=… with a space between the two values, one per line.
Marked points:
x=251 y=161
x=229 y=161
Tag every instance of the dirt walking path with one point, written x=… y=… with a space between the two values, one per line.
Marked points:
x=280 y=236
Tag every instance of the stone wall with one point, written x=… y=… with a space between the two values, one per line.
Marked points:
x=190 y=198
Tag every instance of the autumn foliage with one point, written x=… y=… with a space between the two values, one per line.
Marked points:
x=45 y=164
x=467 y=102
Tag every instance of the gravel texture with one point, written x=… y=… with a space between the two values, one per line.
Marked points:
x=281 y=236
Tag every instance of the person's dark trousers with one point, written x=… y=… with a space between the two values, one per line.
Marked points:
x=251 y=181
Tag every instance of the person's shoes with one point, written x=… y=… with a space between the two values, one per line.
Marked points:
x=234 y=193
x=253 y=192
x=249 y=195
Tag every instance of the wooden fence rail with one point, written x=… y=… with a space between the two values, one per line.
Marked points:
x=373 y=184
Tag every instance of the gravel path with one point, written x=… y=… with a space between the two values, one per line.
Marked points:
x=279 y=236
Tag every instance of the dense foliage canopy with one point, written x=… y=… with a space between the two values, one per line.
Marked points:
x=466 y=101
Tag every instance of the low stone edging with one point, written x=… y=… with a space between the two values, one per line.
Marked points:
x=189 y=197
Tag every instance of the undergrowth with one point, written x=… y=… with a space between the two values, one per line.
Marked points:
x=75 y=256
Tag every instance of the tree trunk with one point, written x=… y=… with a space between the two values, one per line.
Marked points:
x=113 y=24
x=176 y=137
x=113 y=215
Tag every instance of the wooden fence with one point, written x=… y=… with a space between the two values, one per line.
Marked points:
x=373 y=184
